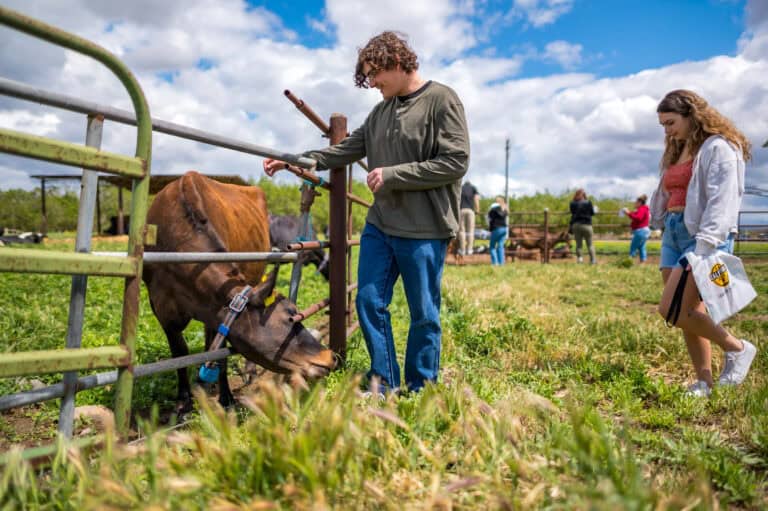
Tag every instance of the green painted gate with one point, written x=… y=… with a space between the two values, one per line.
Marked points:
x=73 y=263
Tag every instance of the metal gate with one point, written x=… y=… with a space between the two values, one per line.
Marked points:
x=81 y=264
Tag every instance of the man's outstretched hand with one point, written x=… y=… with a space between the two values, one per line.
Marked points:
x=272 y=166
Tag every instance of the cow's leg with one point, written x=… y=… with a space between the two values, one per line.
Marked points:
x=173 y=325
x=179 y=348
x=226 y=399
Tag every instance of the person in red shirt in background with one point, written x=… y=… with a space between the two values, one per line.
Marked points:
x=640 y=218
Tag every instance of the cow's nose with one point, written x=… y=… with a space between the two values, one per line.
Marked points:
x=321 y=364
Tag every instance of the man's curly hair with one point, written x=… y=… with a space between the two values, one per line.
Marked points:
x=384 y=52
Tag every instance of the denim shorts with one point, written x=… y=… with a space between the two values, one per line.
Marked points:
x=677 y=241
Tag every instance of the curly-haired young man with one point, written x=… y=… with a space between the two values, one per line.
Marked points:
x=417 y=146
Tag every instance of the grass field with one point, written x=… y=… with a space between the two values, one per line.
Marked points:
x=560 y=388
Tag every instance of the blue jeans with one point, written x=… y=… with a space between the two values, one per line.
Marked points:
x=384 y=258
x=498 y=238
x=677 y=241
x=639 y=237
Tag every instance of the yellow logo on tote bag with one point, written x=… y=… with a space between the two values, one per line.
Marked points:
x=719 y=274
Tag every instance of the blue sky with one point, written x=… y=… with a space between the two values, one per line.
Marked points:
x=572 y=83
x=618 y=37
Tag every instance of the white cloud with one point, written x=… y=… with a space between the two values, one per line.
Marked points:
x=566 y=54
x=27 y=122
x=541 y=12
x=437 y=28
x=11 y=178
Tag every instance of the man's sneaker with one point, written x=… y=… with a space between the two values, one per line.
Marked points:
x=737 y=364
x=579 y=259
x=698 y=389
x=371 y=396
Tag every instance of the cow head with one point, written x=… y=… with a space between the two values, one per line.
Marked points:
x=265 y=333
x=563 y=236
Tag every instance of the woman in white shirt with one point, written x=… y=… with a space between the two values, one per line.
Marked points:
x=697 y=202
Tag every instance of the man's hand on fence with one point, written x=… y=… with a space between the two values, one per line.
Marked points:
x=271 y=166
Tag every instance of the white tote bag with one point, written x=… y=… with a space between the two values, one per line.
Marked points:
x=722 y=282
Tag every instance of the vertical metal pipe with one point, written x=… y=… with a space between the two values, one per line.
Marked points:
x=506 y=172
x=136 y=232
x=338 y=249
x=88 y=185
x=293 y=289
x=44 y=213
x=98 y=207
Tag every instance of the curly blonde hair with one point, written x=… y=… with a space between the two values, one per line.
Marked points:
x=384 y=52
x=705 y=121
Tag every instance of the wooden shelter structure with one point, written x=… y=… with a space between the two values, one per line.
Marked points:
x=156 y=183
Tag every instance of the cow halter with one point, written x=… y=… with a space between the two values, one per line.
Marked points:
x=209 y=372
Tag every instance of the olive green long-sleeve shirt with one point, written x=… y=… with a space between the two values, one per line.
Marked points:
x=421 y=143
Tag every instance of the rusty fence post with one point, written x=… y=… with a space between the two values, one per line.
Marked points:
x=338 y=241
x=350 y=221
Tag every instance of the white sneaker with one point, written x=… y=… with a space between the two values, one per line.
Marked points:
x=378 y=396
x=737 y=364
x=579 y=259
x=698 y=389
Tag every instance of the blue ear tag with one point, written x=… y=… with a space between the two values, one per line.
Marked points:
x=209 y=374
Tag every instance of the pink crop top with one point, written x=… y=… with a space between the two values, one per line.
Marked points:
x=676 y=180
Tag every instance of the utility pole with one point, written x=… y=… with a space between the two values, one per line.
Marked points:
x=506 y=174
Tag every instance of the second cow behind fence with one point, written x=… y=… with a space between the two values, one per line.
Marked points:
x=285 y=229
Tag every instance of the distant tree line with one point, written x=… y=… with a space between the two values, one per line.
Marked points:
x=20 y=209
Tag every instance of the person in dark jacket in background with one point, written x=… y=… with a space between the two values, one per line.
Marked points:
x=497 y=224
x=639 y=220
x=417 y=145
x=582 y=212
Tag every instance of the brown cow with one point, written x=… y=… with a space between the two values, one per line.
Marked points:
x=531 y=239
x=197 y=214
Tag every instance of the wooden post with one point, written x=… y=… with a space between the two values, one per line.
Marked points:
x=44 y=219
x=546 y=235
x=338 y=246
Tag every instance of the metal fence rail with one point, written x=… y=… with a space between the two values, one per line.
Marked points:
x=24 y=91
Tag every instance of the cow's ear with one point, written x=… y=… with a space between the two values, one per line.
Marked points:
x=265 y=289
